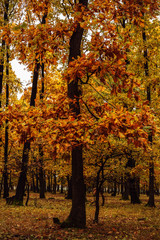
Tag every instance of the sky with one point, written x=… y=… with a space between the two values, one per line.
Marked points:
x=21 y=72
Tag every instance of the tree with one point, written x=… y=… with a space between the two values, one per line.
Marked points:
x=23 y=174
x=5 y=173
x=77 y=217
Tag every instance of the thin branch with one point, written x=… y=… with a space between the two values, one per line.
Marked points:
x=13 y=8
x=101 y=96
x=97 y=118
x=97 y=92
x=71 y=3
x=65 y=9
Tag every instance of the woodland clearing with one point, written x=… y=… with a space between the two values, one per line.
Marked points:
x=118 y=220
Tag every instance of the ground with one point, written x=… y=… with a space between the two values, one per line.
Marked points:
x=118 y=220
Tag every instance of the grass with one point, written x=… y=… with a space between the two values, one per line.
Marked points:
x=118 y=220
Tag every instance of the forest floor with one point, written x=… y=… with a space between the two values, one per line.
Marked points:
x=118 y=220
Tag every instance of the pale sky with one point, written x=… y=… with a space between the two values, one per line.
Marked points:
x=21 y=72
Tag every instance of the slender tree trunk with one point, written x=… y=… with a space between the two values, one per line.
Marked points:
x=23 y=174
x=61 y=186
x=55 y=183
x=2 y=53
x=114 y=188
x=24 y=167
x=20 y=190
x=41 y=175
x=6 y=187
x=2 y=56
x=1 y=69
x=121 y=187
x=5 y=172
x=97 y=200
x=49 y=181
x=33 y=183
x=151 y=202
x=37 y=181
x=99 y=190
x=41 y=171
x=77 y=217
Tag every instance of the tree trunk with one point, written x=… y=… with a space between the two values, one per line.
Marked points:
x=23 y=174
x=121 y=189
x=132 y=182
x=134 y=191
x=55 y=183
x=2 y=54
x=22 y=179
x=125 y=194
x=69 y=190
x=41 y=171
x=49 y=182
x=114 y=188
x=6 y=187
x=1 y=69
x=151 y=202
x=77 y=217
x=33 y=183
x=41 y=175
x=61 y=187
x=97 y=201
x=37 y=181
x=20 y=190
x=99 y=190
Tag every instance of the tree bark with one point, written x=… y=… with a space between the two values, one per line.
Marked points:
x=77 y=217
x=132 y=182
x=134 y=191
x=20 y=190
x=69 y=190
